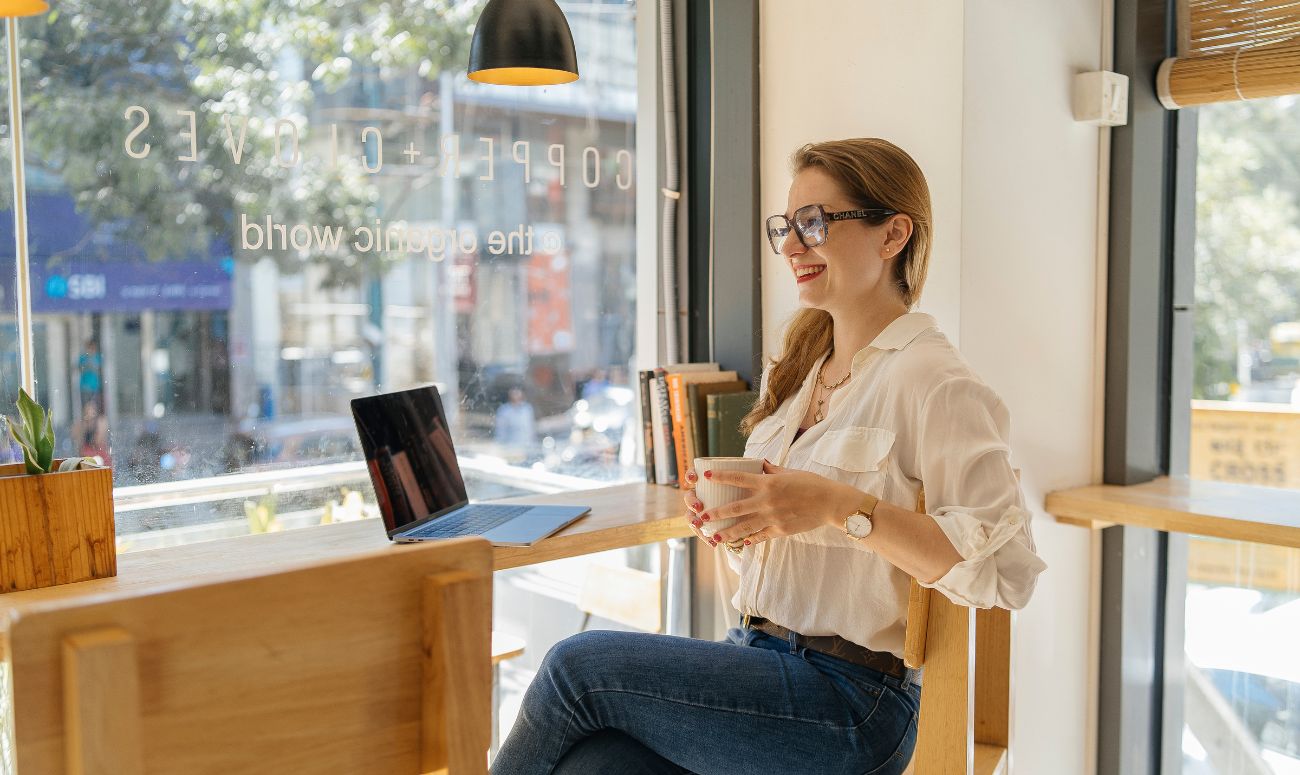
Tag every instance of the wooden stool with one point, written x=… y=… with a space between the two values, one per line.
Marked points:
x=628 y=596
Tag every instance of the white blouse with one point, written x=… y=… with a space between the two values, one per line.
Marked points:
x=914 y=411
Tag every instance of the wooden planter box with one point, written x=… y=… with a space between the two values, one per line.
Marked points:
x=55 y=528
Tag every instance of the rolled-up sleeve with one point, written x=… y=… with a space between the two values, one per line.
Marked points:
x=971 y=492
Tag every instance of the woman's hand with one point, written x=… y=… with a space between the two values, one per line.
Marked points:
x=785 y=501
x=694 y=507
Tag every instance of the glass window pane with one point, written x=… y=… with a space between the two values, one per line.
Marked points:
x=243 y=215
x=1242 y=694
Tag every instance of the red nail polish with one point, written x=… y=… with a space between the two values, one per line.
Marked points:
x=746 y=542
x=708 y=474
x=705 y=517
x=697 y=523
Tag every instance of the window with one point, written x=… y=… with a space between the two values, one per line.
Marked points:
x=243 y=215
x=1242 y=688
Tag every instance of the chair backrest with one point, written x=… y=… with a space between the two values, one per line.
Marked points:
x=965 y=723
x=375 y=664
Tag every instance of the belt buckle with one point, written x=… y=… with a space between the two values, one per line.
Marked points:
x=744 y=621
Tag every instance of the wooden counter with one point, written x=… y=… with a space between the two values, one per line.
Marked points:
x=621 y=516
x=1265 y=515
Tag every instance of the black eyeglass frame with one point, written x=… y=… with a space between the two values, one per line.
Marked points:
x=827 y=218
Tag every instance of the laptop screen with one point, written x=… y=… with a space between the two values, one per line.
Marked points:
x=410 y=456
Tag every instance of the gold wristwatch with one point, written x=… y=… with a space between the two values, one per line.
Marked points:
x=858 y=524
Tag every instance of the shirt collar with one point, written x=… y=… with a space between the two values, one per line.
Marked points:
x=896 y=335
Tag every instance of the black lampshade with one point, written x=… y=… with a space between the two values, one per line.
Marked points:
x=522 y=43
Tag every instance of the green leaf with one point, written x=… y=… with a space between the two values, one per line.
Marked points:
x=45 y=455
x=20 y=433
x=35 y=435
x=31 y=412
x=29 y=450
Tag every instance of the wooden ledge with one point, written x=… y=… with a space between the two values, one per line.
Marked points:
x=621 y=515
x=1265 y=515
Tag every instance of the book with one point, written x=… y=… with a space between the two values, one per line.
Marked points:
x=647 y=427
x=683 y=440
x=660 y=450
x=661 y=416
x=665 y=453
x=697 y=409
x=725 y=411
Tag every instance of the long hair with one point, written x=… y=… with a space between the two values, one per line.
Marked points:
x=873 y=173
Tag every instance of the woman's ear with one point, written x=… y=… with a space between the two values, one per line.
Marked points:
x=897 y=234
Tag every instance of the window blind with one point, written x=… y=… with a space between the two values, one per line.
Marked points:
x=1232 y=50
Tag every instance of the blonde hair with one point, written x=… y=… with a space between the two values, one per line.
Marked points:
x=872 y=173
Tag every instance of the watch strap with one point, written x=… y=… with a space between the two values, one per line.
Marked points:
x=868 y=505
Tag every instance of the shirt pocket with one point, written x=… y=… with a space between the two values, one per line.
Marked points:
x=858 y=455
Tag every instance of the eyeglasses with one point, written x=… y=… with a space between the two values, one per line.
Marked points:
x=811 y=222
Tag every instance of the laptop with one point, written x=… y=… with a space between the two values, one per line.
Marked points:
x=417 y=480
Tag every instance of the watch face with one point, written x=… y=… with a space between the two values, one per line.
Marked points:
x=859 y=526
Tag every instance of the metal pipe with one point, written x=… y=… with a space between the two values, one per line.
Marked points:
x=671 y=194
x=23 y=296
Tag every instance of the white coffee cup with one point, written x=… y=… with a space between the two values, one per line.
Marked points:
x=713 y=495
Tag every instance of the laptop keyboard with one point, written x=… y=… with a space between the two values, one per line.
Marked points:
x=471 y=520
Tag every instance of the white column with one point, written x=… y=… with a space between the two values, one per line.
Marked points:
x=149 y=388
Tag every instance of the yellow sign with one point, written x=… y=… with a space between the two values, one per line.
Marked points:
x=1248 y=443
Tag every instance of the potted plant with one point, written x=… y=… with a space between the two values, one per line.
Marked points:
x=58 y=514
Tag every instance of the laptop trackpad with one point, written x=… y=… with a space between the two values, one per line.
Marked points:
x=533 y=526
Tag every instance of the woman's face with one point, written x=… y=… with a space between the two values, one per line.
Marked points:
x=854 y=266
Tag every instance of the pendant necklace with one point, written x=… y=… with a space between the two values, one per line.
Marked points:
x=821 y=411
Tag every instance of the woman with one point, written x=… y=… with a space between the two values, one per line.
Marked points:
x=866 y=401
x=90 y=433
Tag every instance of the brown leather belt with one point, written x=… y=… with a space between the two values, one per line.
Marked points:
x=835 y=646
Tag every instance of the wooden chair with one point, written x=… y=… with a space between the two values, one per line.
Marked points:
x=965 y=724
x=374 y=664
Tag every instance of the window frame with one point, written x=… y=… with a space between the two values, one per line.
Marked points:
x=722 y=235
x=1149 y=374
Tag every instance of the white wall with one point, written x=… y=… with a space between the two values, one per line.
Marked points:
x=879 y=68
x=980 y=96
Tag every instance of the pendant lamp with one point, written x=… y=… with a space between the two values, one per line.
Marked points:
x=522 y=43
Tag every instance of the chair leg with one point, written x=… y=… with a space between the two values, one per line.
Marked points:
x=496 y=712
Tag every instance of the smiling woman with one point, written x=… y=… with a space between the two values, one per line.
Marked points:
x=867 y=401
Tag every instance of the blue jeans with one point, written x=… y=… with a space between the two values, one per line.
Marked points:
x=642 y=704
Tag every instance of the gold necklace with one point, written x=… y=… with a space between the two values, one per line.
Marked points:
x=820 y=414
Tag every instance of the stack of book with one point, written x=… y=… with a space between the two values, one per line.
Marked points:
x=690 y=410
